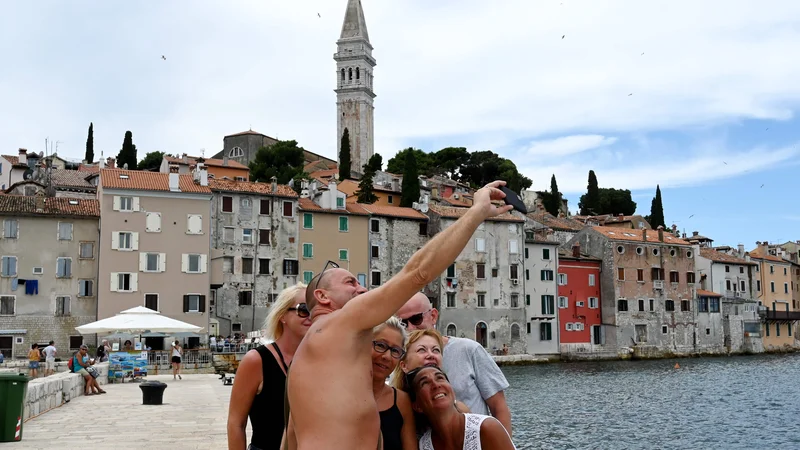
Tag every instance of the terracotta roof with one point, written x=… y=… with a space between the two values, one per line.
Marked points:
x=70 y=179
x=697 y=237
x=625 y=234
x=14 y=160
x=761 y=254
x=250 y=187
x=716 y=256
x=95 y=168
x=147 y=181
x=320 y=164
x=53 y=206
x=213 y=162
x=248 y=132
x=394 y=211
x=556 y=223
x=567 y=254
x=351 y=208
x=706 y=293
x=324 y=176
x=455 y=213
x=456 y=202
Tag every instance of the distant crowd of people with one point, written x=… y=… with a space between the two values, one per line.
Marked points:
x=355 y=369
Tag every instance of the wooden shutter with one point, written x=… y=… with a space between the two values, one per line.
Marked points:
x=185 y=303
x=134 y=282
x=134 y=241
x=142 y=262
x=202 y=303
x=135 y=203
x=184 y=263
x=114 y=281
x=117 y=202
x=115 y=240
x=162 y=262
x=203 y=263
x=544 y=304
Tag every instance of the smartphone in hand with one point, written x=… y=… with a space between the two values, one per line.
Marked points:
x=513 y=199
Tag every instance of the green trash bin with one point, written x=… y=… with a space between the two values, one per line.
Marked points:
x=13 y=390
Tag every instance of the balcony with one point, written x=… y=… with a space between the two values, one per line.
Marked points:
x=778 y=316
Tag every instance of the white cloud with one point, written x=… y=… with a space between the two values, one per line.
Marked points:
x=569 y=145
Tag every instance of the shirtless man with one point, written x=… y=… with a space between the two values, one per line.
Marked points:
x=330 y=381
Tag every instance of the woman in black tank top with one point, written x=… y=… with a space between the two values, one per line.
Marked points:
x=397 y=418
x=258 y=389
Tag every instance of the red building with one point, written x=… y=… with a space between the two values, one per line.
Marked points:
x=579 y=316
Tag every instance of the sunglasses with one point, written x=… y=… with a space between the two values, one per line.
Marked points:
x=382 y=347
x=328 y=265
x=301 y=309
x=415 y=320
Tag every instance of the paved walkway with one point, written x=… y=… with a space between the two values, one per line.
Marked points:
x=194 y=416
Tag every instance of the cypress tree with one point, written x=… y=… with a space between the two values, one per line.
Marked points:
x=410 y=191
x=344 y=156
x=552 y=202
x=657 y=210
x=365 y=193
x=127 y=155
x=592 y=196
x=89 y=156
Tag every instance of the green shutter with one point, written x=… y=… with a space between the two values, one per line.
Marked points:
x=308 y=250
x=308 y=220
x=528 y=300
x=307 y=276
x=546 y=253
x=343 y=223
x=544 y=304
x=343 y=255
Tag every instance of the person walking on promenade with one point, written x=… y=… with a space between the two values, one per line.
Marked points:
x=177 y=354
x=33 y=360
x=49 y=359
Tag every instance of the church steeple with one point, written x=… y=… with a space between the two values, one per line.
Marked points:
x=354 y=94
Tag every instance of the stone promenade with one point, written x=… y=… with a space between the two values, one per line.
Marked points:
x=194 y=416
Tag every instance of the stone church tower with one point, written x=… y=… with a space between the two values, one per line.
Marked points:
x=354 y=68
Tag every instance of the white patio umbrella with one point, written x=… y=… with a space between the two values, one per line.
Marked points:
x=138 y=320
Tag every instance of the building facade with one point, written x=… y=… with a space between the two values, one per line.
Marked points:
x=395 y=234
x=155 y=244
x=48 y=278
x=224 y=168
x=480 y=296
x=13 y=168
x=579 y=318
x=254 y=233
x=541 y=291
x=773 y=292
x=242 y=147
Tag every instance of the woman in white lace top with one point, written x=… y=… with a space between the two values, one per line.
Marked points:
x=432 y=395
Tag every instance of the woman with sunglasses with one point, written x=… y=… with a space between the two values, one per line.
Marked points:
x=397 y=419
x=258 y=389
x=432 y=395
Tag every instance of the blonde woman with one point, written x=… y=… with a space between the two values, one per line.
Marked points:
x=258 y=390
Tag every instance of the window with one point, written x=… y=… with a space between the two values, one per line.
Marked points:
x=713 y=304
x=308 y=221
x=727 y=269
x=246 y=203
x=496 y=302
x=515 y=300
x=641 y=304
x=86 y=250
x=376 y=278
x=481 y=300
x=263 y=237
x=621 y=274
x=290 y=267
x=308 y=250
x=247 y=235
x=480 y=245
x=227 y=235
x=741 y=269
x=690 y=277
x=686 y=305
x=702 y=304
x=151 y=262
x=344 y=223
x=125 y=240
x=784 y=270
x=85 y=288
x=307 y=276
x=545 y=332
x=526 y=252
x=126 y=203
x=340 y=202
x=151 y=301
x=194 y=303
x=451 y=330
x=193 y=264
x=772 y=286
x=527 y=299
x=227 y=204
x=728 y=285
x=656 y=274
x=771 y=269
x=663 y=329
x=236 y=152
x=480 y=271
x=639 y=274
x=758 y=284
x=785 y=288
x=343 y=254
x=514 y=272
x=288 y=209
x=375 y=225
x=563 y=302
x=620 y=249
x=10 y=229
x=641 y=333
x=362 y=279
x=194 y=224
x=423 y=228
x=451 y=271
x=545 y=253
x=569 y=326
x=9 y=266
x=562 y=279
x=639 y=250
x=513 y=247
x=64 y=231
x=548 y=305
x=75 y=342
x=227 y=264
x=390 y=199
x=673 y=277
x=263 y=266
x=7 y=305
x=123 y=282
x=527 y=274
x=62 y=306
x=451 y=299
x=247 y=266
x=547 y=275
x=591 y=279
x=622 y=305
x=264 y=207
x=593 y=303
x=245 y=298
x=64 y=268
x=669 y=305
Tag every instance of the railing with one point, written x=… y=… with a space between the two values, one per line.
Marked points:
x=768 y=314
x=234 y=348
x=191 y=359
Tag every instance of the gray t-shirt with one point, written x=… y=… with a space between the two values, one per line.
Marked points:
x=49 y=352
x=473 y=373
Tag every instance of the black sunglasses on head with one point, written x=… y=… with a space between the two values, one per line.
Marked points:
x=301 y=309
x=315 y=281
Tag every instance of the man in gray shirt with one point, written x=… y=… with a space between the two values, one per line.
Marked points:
x=475 y=377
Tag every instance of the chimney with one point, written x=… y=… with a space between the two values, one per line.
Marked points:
x=576 y=250
x=621 y=215
x=644 y=234
x=40 y=201
x=661 y=233
x=174 y=179
x=695 y=233
x=225 y=158
x=674 y=228
x=741 y=250
x=111 y=163
x=201 y=172
x=395 y=184
x=274 y=186
x=23 y=156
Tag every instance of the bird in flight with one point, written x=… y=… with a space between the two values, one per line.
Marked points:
x=562 y=36
x=723 y=162
x=762 y=185
x=630 y=94
x=691 y=216
x=163 y=57
x=319 y=15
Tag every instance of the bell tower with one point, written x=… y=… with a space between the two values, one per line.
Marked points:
x=354 y=94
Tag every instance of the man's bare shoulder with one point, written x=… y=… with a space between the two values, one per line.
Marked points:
x=333 y=327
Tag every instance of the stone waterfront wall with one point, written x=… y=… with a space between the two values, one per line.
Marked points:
x=51 y=392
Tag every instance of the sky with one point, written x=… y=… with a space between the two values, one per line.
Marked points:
x=700 y=98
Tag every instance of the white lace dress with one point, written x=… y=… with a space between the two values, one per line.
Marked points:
x=472 y=433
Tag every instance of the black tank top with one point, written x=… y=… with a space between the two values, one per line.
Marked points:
x=392 y=426
x=266 y=412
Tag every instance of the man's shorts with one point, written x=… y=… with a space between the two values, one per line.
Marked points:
x=33 y=364
x=50 y=363
x=84 y=373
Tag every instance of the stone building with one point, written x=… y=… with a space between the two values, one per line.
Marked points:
x=155 y=234
x=354 y=86
x=253 y=252
x=778 y=315
x=242 y=147
x=14 y=167
x=647 y=282
x=563 y=228
x=480 y=295
x=48 y=277
x=224 y=168
x=541 y=290
x=394 y=235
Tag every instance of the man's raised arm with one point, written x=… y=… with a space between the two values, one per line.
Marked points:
x=376 y=306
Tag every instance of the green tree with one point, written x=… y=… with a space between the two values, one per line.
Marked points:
x=397 y=163
x=486 y=166
x=89 y=156
x=410 y=191
x=127 y=154
x=283 y=160
x=656 y=216
x=590 y=203
x=344 y=156
x=449 y=160
x=613 y=201
x=151 y=161
x=375 y=163
x=365 y=191
x=552 y=202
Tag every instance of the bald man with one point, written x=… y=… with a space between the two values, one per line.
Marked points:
x=330 y=381
x=475 y=377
